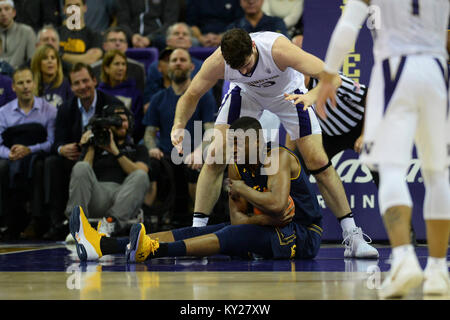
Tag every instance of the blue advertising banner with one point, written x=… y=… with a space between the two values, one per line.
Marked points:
x=320 y=18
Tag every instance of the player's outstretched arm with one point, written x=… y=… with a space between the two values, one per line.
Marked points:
x=342 y=40
x=211 y=71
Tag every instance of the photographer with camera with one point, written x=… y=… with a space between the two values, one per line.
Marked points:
x=111 y=178
x=72 y=118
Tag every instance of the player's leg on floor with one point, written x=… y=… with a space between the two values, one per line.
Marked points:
x=235 y=240
x=209 y=183
x=333 y=192
x=143 y=247
x=396 y=207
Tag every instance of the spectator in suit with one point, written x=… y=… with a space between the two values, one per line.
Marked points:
x=48 y=76
x=115 y=82
x=71 y=121
x=27 y=126
x=18 y=39
x=115 y=38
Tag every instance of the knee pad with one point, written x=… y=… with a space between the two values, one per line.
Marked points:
x=436 y=204
x=393 y=190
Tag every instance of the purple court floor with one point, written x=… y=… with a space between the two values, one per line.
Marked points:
x=58 y=257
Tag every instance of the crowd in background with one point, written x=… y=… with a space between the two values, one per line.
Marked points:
x=64 y=63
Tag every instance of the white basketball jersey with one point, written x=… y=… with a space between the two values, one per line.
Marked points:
x=404 y=27
x=266 y=81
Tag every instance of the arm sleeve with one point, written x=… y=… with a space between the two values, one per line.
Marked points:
x=345 y=34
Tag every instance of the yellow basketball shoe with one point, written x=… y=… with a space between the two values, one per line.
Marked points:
x=141 y=245
x=87 y=239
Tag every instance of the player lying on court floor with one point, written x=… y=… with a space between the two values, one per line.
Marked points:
x=286 y=223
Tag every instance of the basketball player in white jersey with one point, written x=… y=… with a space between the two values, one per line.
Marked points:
x=261 y=68
x=407 y=103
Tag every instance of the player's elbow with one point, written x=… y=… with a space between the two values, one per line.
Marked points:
x=276 y=206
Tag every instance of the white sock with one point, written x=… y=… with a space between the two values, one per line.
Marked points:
x=437 y=263
x=348 y=224
x=200 y=222
x=399 y=252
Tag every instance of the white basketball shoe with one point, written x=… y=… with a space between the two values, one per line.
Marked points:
x=404 y=276
x=356 y=246
x=436 y=282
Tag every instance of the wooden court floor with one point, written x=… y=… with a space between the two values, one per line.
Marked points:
x=51 y=271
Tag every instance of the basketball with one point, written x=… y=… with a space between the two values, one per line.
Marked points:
x=291 y=204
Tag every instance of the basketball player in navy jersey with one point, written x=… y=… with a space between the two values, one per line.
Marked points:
x=261 y=67
x=407 y=103
x=276 y=234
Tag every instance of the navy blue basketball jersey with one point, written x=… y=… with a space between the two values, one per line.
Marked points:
x=307 y=209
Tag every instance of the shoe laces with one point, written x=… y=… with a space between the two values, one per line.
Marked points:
x=349 y=238
x=105 y=227
x=151 y=244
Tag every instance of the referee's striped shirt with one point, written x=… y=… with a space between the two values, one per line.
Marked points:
x=349 y=111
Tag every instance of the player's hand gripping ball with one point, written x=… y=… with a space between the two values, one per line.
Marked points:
x=290 y=206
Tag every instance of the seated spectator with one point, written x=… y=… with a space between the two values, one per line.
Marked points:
x=6 y=92
x=38 y=13
x=48 y=76
x=111 y=179
x=288 y=10
x=49 y=35
x=160 y=116
x=209 y=19
x=26 y=135
x=255 y=20
x=178 y=36
x=71 y=121
x=5 y=68
x=115 y=83
x=101 y=14
x=79 y=44
x=157 y=79
x=145 y=21
x=115 y=38
x=18 y=39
